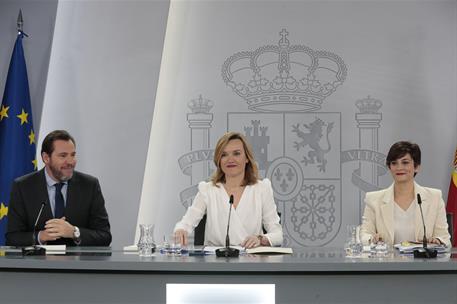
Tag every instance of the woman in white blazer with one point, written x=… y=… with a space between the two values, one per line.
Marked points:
x=393 y=215
x=253 y=206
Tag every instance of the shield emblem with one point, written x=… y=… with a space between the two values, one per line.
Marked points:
x=300 y=154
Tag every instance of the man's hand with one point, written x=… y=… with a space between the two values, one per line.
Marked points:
x=46 y=237
x=58 y=228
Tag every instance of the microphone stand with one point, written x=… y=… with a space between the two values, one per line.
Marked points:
x=34 y=249
x=228 y=252
x=424 y=253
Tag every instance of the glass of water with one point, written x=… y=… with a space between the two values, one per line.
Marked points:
x=175 y=245
x=353 y=246
x=170 y=246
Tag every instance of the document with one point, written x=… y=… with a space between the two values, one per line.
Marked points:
x=131 y=248
x=54 y=249
x=269 y=250
x=410 y=246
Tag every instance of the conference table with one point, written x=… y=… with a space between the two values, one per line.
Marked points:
x=309 y=275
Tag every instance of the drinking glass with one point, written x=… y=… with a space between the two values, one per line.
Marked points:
x=353 y=246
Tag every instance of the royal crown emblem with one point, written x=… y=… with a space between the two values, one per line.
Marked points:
x=284 y=77
x=200 y=105
x=368 y=105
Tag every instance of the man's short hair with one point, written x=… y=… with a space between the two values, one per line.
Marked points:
x=48 y=143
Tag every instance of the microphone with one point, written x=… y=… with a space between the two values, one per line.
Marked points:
x=425 y=253
x=34 y=249
x=227 y=237
x=228 y=252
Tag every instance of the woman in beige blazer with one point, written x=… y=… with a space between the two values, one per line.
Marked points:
x=393 y=215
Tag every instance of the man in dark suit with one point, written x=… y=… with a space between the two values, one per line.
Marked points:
x=74 y=212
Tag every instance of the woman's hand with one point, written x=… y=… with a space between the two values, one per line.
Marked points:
x=251 y=242
x=376 y=238
x=181 y=237
x=434 y=241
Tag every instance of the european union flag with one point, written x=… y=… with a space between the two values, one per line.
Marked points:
x=17 y=138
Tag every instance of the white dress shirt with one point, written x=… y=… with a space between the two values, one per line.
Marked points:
x=256 y=209
x=51 y=187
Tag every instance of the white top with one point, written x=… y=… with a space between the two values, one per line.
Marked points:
x=256 y=209
x=405 y=221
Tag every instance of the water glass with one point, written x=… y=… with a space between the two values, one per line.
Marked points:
x=170 y=246
x=175 y=245
x=379 y=249
x=353 y=246
x=190 y=245
x=165 y=246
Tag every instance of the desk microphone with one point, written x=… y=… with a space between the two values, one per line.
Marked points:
x=228 y=252
x=34 y=249
x=425 y=253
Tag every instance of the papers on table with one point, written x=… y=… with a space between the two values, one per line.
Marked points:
x=409 y=247
x=54 y=249
x=269 y=250
x=131 y=248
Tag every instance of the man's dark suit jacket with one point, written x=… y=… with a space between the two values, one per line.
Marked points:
x=85 y=208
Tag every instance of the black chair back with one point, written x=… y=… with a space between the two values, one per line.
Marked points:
x=199 y=233
x=450 y=225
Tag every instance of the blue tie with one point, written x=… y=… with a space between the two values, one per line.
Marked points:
x=60 y=205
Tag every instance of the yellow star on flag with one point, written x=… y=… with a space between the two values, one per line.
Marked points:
x=23 y=117
x=3 y=112
x=32 y=137
x=3 y=210
x=35 y=164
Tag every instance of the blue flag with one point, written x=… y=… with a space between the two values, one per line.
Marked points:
x=17 y=138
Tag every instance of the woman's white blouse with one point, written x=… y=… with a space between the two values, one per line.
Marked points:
x=404 y=223
x=256 y=209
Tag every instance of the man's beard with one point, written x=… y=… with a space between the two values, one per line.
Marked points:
x=58 y=174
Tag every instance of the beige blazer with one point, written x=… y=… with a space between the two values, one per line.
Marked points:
x=379 y=215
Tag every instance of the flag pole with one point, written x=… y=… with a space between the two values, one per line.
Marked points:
x=20 y=21
x=20 y=24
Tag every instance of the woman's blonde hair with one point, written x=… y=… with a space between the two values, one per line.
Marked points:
x=251 y=172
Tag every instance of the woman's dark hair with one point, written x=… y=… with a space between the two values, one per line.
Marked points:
x=48 y=143
x=400 y=149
